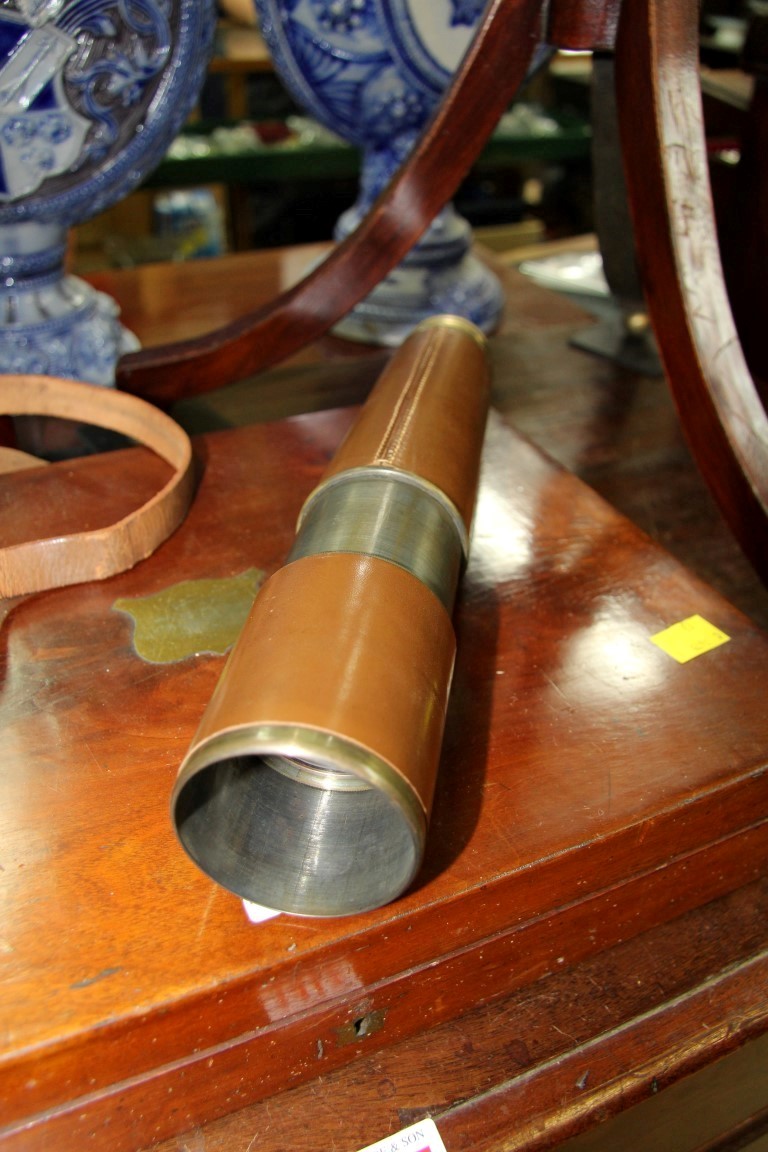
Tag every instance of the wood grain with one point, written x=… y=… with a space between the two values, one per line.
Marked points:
x=589 y=25
x=590 y=789
x=721 y=413
x=491 y=72
x=531 y=1069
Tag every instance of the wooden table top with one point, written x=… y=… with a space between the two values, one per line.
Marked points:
x=175 y=301
x=595 y=797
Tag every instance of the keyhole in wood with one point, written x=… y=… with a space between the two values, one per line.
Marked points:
x=362 y=1026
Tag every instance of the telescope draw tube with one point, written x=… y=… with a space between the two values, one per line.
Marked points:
x=308 y=785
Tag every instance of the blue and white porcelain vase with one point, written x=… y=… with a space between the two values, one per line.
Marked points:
x=92 y=92
x=373 y=71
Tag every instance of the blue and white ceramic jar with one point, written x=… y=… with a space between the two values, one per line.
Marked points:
x=373 y=71
x=92 y=92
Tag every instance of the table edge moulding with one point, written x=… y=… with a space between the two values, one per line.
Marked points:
x=592 y=788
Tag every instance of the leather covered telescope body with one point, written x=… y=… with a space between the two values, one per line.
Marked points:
x=308 y=785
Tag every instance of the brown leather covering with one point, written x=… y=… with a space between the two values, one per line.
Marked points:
x=345 y=644
x=434 y=432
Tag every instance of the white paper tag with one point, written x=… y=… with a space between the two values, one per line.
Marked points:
x=421 y=1137
x=256 y=912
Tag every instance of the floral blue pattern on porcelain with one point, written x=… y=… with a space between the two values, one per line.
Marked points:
x=92 y=92
x=373 y=71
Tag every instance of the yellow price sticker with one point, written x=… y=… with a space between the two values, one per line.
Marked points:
x=689 y=638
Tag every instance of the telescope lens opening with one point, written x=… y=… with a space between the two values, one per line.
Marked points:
x=297 y=836
x=316 y=775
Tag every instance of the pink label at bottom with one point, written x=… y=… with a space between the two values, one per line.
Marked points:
x=420 y=1137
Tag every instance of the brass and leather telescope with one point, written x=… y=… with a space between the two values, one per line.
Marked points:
x=309 y=783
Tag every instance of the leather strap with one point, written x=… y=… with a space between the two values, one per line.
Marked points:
x=14 y=460
x=36 y=565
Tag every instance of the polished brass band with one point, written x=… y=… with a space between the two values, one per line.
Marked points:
x=392 y=515
x=447 y=320
x=309 y=782
x=251 y=780
x=308 y=785
x=426 y=414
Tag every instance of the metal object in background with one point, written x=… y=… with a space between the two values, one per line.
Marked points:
x=309 y=783
x=624 y=333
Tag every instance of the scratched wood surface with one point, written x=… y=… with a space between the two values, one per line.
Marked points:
x=617 y=430
x=591 y=788
x=674 y=1018
x=678 y=255
x=592 y=793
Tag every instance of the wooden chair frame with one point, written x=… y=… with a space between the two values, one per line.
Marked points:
x=656 y=47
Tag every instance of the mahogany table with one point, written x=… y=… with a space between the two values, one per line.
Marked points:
x=589 y=928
